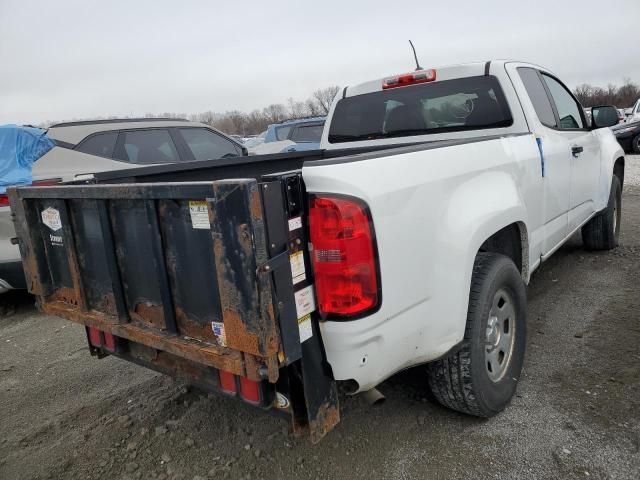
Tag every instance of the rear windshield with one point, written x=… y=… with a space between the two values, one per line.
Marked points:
x=447 y=106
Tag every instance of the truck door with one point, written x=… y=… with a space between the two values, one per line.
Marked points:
x=583 y=150
x=555 y=159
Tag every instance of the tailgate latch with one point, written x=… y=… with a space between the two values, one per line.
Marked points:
x=275 y=263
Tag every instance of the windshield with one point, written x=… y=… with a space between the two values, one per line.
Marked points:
x=447 y=106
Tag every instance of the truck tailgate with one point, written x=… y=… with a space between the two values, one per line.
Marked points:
x=190 y=278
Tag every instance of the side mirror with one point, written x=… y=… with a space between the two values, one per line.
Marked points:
x=604 y=116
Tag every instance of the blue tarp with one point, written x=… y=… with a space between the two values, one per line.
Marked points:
x=19 y=148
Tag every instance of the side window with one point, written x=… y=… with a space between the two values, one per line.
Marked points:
x=307 y=133
x=282 y=133
x=538 y=96
x=147 y=146
x=101 y=144
x=207 y=145
x=568 y=108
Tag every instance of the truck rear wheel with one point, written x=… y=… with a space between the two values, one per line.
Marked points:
x=603 y=230
x=481 y=377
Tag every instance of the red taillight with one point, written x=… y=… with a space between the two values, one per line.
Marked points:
x=344 y=256
x=420 y=76
x=100 y=339
x=4 y=198
x=47 y=182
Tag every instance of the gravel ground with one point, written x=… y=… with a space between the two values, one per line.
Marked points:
x=66 y=415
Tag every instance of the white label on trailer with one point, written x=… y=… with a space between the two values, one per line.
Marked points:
x=199 y=214
x=297 y=267
x=305 y=304
x=218 y=331
x=304 y=327
x=51 y=218
x=295 y=223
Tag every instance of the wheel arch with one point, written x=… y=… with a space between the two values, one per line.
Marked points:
x=618 y=169
x=512 y=241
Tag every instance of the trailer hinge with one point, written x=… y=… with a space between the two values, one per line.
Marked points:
x=275 y=263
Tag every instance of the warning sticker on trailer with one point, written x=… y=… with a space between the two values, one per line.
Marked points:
x=297 y=267
x=305 y=304
x=295 y=223
x=51 y=218
x=305 y=329
x=199 y=214
x=218 y=331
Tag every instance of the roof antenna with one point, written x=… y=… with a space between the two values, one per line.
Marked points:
x=418 y=67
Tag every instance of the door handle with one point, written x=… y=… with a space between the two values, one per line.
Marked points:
x=576 y=150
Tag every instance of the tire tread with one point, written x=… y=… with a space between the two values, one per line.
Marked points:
x=597 y=233
x=455 y=390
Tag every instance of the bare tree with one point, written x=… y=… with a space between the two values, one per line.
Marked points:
x=255 y=122
x=324 y=98
x=623 y=97
x=275 y=113
x=297 y=109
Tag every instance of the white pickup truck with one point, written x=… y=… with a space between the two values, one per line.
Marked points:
x=408 y=239
x=509 y=171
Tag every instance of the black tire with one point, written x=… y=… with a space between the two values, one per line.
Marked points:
x=461 y=381
x=635 y=144
x=603 y=230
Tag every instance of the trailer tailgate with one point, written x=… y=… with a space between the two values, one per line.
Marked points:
x=192 y=279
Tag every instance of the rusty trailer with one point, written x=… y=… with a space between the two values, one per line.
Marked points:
x=192 y=279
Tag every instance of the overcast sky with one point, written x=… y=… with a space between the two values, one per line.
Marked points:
x=67 y=59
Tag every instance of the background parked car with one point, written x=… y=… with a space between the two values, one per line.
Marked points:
x=633 y=113
x=254 y=141
x=83 y=148
x=628 y=136
x=305 y=133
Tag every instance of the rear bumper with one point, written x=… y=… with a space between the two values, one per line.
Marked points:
x=11 y=276
x=372 y=349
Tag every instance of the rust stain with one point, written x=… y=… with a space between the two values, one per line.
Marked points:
x=254 y=365
x=326 y=420
x=254 y=203
x=149 y=313
x=273 y=368
x=63 y=294
x=191 y=328
x=172 y=365
x=237 y=335
x=194 y=350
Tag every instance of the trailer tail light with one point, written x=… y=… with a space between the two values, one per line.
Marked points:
x=227 y=382
x=4 y=198
x=420 y=76
x=344 y=256
x=249 y=390
x=100 y=339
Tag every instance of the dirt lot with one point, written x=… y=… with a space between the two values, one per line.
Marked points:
x=64 y=414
